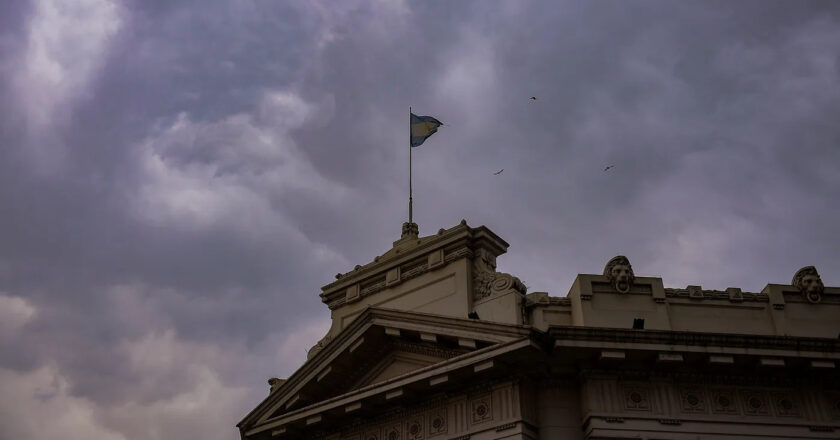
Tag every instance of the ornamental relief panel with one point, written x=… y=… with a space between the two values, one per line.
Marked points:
x=481 y=409
x=392 y=432
x=693 y=400
x=785 y=404
x=437 y=422
x=637 y=397
x=414 y=429
x=755 y=403
x=723 y=401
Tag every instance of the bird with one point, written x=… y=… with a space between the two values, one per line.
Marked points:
x=533 y=98
x=608 y=167
x=498 y=172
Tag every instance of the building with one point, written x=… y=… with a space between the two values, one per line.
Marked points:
x=429 y=341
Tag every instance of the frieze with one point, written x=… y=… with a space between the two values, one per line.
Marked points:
x=372 y=288
x=431 y=414
x=434 y=403
x=694 y=292
x=611 y=395
x=456 y=254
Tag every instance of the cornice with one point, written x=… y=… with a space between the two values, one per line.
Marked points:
x=705 y=377
x=666 y=337
x=384 y=262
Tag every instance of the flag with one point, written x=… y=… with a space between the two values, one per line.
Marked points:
x=422 y=127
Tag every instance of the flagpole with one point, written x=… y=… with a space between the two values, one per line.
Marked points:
x=410 y=201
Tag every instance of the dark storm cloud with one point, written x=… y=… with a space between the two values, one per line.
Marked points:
x=183 y=176
x=694 y=103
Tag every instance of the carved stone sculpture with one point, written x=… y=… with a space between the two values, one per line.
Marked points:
x=318 y=346
x=620 y=273
x=486 y=281
x=275 y=383
x=808 y=281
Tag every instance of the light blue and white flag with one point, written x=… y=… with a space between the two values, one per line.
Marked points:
x=422 y=127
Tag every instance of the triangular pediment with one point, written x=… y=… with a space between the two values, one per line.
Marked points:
x=397 y=358
x=378 y=347
x=394 y=365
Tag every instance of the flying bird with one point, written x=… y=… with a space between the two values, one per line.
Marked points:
x=610 y=166
x=498 y=172
x=533 y=98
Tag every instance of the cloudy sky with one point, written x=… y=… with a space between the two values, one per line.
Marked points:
x=179 y=178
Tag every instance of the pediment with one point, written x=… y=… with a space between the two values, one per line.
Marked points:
x=374 y=360
x=397 y=358
x=395 y=364
x=379 y=346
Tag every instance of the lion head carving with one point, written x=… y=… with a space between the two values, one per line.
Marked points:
x=620 y=273
x=808 y=281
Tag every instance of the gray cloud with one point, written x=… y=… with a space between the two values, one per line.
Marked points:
x=182 y=177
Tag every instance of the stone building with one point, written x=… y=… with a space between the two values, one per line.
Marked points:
x=430 y=341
